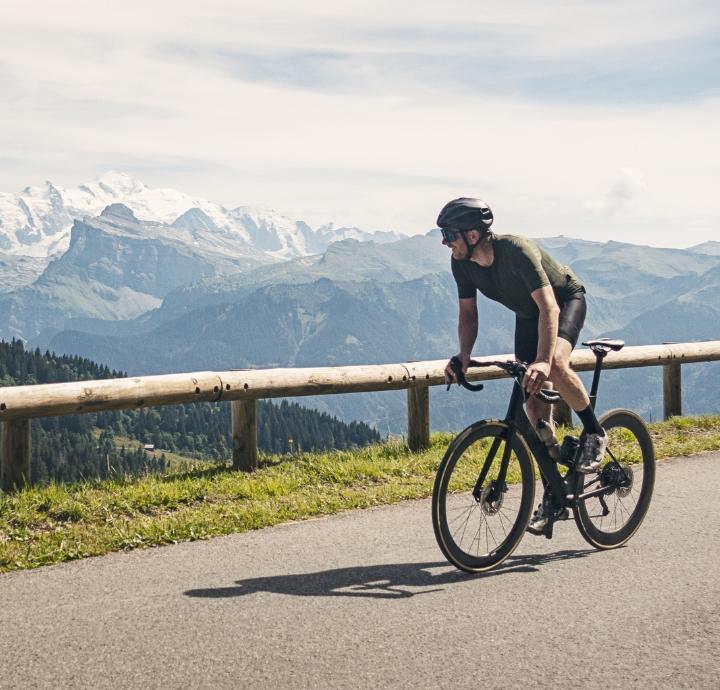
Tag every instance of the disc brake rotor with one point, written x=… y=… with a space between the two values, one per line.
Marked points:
x=490 y=507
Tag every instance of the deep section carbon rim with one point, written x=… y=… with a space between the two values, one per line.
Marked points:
x=479 y=524
x=626 y=476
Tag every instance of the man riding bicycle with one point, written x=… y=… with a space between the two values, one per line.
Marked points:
x=549 y=305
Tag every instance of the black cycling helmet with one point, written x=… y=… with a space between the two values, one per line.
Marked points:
x=465 y=214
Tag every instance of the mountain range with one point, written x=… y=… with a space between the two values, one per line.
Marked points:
x=151 y=296
x=114 y=248
x=37 y=222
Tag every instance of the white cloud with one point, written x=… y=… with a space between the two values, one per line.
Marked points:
x=375 y=114
x=628 y=185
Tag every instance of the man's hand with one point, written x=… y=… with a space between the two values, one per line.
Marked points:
x=537 y=373
x=450 y=374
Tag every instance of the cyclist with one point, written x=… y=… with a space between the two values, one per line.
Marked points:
x=549 y=305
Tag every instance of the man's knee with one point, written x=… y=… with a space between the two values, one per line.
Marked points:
x=561 y=369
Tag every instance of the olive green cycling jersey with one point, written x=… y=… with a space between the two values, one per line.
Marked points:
x=520 y=267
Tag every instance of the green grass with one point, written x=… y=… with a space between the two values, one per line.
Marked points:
x=55 y=523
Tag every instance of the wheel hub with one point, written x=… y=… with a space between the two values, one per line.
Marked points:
x=617 y=478
x=491 y=499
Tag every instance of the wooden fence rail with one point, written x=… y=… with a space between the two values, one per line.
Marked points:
x=20 y=404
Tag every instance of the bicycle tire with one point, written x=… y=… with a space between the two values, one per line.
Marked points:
x=631 y=445
x=453 y=499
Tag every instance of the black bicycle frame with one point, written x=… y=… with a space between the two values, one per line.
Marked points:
x=517 y=420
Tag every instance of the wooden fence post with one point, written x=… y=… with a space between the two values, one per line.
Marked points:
x=14 y=454
x=244 y=435
x=418 y=397
x=672 y=390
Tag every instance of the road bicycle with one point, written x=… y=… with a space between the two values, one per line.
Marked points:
x=484 y=489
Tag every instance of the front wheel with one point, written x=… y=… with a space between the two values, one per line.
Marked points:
x=623 y=485
x=479 y=508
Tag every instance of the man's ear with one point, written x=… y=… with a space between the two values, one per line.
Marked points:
x=473 y=236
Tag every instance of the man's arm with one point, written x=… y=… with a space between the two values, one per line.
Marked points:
x=467 y=325
x=467 y=333
x=539 y=371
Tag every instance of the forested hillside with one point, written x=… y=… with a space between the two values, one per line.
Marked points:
x=85 y=446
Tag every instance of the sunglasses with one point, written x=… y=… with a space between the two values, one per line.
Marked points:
x=449 y=234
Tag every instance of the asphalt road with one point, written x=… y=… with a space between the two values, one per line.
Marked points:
x=365 y=599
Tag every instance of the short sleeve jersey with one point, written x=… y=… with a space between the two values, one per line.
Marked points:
x=519 y=268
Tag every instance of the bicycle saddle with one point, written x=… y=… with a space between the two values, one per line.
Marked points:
x=605 y=344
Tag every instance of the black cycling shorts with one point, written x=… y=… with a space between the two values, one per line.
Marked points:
x=570 y=323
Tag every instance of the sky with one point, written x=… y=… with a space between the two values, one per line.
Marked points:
x=596 y=120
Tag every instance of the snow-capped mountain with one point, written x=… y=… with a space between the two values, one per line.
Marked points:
x=37 y=221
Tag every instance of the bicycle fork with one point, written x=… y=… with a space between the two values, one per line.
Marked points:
x=515 y=401
x=500 y=482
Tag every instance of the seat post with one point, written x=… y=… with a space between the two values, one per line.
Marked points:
x=600 y=348
x=599 y=356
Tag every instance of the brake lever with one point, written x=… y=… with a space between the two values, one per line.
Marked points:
x=547 y=395
x=456 y=366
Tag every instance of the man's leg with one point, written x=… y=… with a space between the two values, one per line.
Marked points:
x=526 y=342
x=566 y=380
x=573 y=392
x=537 y=409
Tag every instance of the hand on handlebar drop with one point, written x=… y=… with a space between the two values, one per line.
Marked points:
x=450 y=376
x=537 y=373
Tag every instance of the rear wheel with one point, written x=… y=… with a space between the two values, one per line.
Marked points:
x=479 y=517
x=626 y=477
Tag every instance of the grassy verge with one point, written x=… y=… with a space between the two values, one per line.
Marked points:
x=56 y=523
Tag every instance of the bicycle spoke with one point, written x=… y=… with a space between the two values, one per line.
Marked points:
x=623 y=508
x=466 y=524
x=487 y=526
x=457 y=518
x=463 y=508
x=501 y=516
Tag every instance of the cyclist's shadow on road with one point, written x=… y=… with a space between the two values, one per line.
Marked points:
x=393 y=581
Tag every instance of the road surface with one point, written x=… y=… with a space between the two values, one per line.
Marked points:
x=365 y=599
